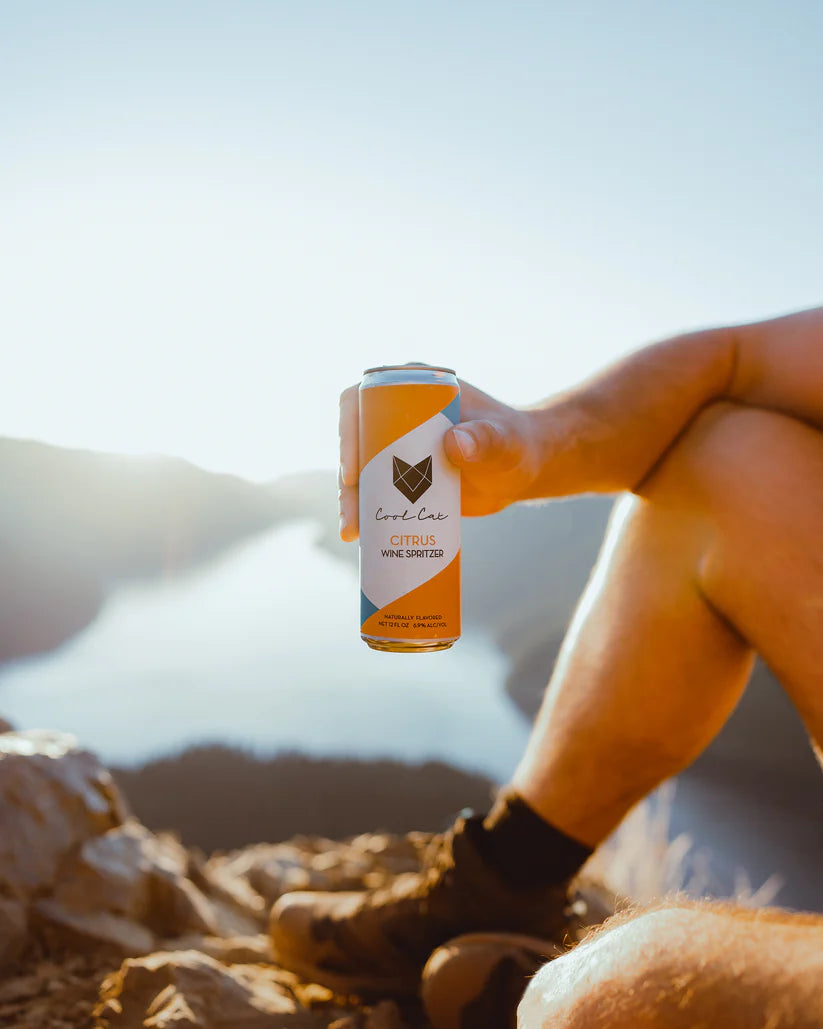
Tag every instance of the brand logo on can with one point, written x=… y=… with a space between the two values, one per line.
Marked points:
x=412 y=479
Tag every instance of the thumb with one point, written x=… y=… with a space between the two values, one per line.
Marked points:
x=485 y=442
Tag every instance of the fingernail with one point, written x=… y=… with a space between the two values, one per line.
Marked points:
x=466 y=444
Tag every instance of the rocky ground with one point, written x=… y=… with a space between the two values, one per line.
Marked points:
x=107 y=925
x=104 y=924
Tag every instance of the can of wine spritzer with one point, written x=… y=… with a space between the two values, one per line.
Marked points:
x=409 y=509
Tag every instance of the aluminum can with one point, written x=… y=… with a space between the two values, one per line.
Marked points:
x=409 y=509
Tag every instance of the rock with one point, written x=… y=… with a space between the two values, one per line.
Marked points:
x=236 y=909
x=130 y=888
x=316 y=864
x=53 y=797
x=21 y=987
x=114 y=871
x=13 y=929
x=384 y=1015
x=177 y=905
x=56 y=994
x=269 y=869
x=238 y=950
x=188 y=989
x=5 y=726
x=89 y=875
x=234 y=950
x=90 y=930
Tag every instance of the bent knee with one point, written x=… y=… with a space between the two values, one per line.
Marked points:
x=743 y=472
x=729 y=449
x=617 y=978
x=681 y=966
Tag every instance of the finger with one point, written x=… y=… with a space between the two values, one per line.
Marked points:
x=347 y=499
x=349 y=436
x=491 y=443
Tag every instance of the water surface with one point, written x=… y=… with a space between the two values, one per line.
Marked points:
x=261 y=649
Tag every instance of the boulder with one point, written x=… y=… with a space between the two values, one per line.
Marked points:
x=54 y=796
x=189 y=989
x=238 y=908
x=84 y=931
x=130 y=889
x=76 y=869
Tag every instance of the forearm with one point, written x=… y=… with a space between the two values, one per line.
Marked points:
x=780 y=365
x=607 y=434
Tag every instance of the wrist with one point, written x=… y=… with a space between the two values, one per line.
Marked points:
x=550 y=443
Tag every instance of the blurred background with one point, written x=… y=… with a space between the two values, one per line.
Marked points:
x=213 y=217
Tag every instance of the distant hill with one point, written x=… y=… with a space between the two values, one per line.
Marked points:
x=73 y=523
x=250 y=798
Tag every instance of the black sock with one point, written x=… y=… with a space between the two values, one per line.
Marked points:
x=526 y=850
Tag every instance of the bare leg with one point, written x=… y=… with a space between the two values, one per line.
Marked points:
x=684 y=966
x=720 y=555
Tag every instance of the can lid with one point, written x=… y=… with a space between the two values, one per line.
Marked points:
x=410 y=364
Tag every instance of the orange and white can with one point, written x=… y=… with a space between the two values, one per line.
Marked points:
x=409 y=509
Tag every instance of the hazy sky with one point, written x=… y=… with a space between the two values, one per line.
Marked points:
x=213 y=216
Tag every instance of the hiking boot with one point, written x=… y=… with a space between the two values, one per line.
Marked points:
x=377 y=941
x=476 y=981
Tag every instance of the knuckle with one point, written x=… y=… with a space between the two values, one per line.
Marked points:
x=502 y=444
x=715 y=449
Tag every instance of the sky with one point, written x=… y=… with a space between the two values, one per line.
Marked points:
x=214 y=216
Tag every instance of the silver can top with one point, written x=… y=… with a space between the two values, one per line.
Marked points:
x=411 y=372
x=410 y=365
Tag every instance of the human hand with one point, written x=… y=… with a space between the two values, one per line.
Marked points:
x=494 y=446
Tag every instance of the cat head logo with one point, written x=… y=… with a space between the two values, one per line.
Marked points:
x=412 y=479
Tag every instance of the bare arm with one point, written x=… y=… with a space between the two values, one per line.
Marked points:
x=607 y=434
x=780 y=365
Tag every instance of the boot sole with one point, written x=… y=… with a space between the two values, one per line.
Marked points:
x=547 y=949
x=351 y=985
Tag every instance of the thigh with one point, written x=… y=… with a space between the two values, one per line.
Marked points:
x=753 y=481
